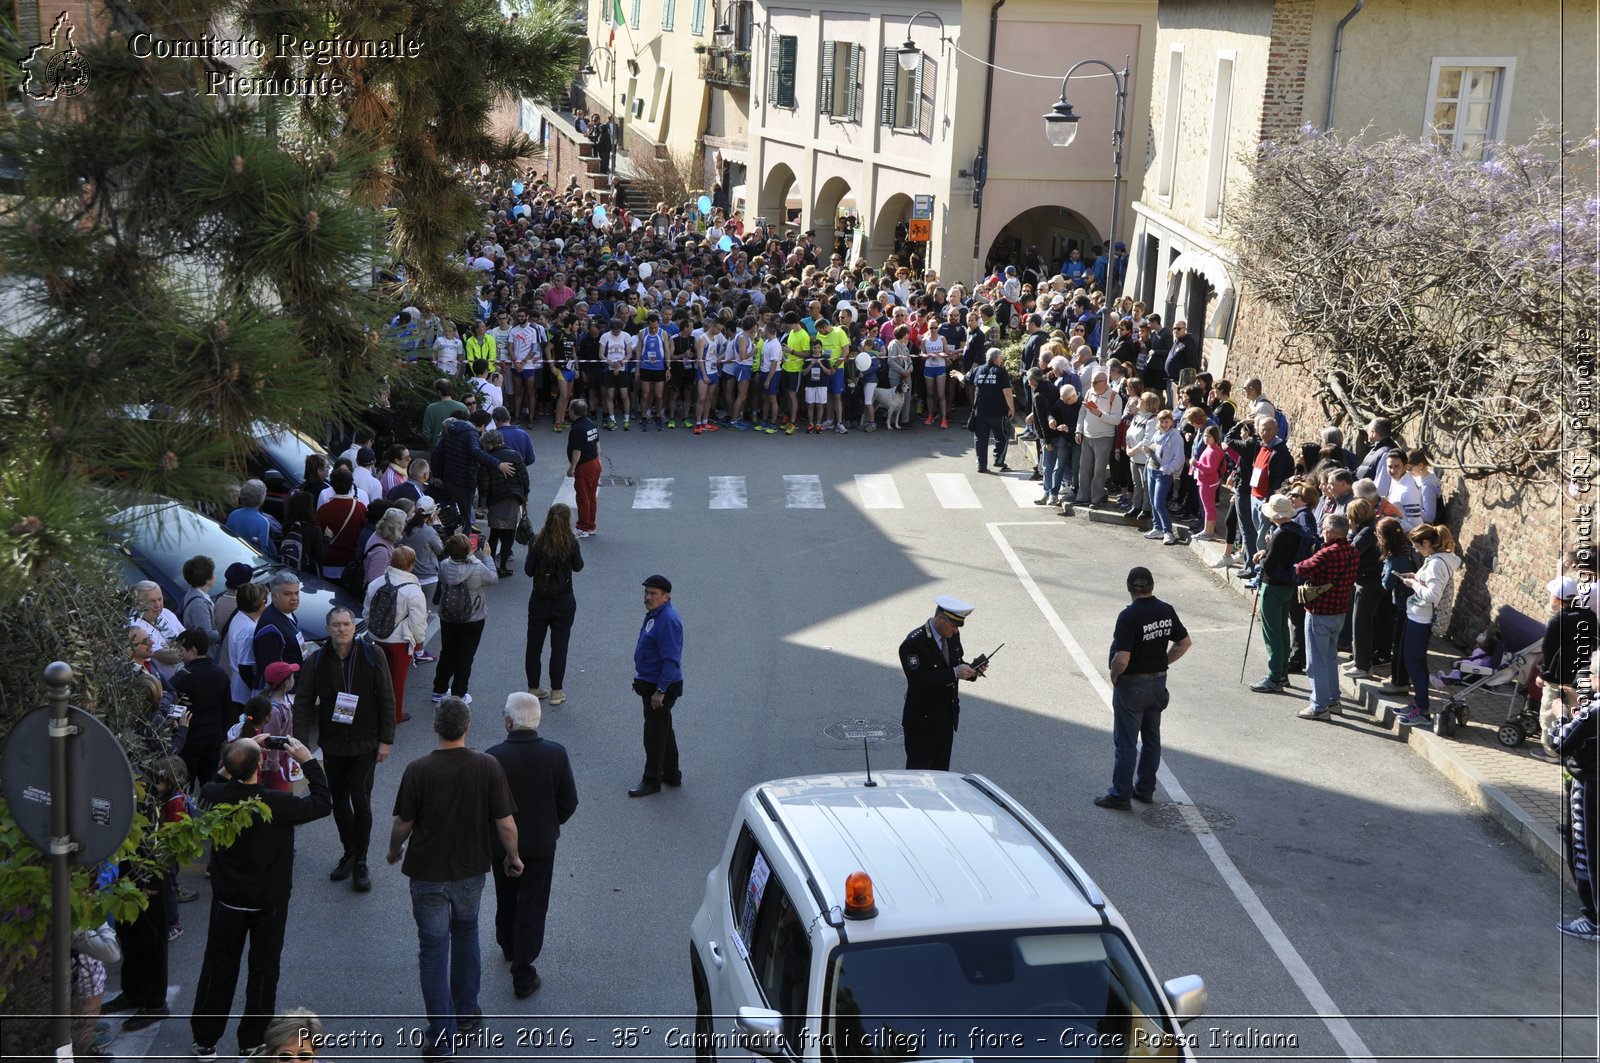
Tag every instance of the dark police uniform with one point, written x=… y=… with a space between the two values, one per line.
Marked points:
x=932 y=707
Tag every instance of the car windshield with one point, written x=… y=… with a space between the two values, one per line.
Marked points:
x=286 y=450
x=168 y=535
x=1038 y=993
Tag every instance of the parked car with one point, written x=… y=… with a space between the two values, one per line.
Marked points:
x=279 y=461
x=157 y=537
x=857 y=919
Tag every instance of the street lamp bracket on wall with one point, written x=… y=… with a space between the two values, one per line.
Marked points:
x=909 y=54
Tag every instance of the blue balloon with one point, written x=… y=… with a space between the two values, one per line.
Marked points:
x=704 y=204
x=725 y=244
x=599 y=214
x=521 y=210
x=517 y=187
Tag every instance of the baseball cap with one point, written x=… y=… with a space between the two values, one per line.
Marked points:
x=426 y=504
x=1563 y=587
x=237 y=575
x=278 y=671
x=1140 y=579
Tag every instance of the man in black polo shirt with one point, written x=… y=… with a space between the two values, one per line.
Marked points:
x=993 y=409
x=1148 y=638
x=583 y=464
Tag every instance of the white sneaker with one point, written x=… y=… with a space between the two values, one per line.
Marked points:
x=1153 y=533
x=582 y=534
x=827 y=423
x=841 y=429
x=466 y=699
x=1169 y=540
x=558 y=697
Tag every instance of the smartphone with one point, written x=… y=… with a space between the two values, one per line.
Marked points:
x=275 y=742
x=473 y=539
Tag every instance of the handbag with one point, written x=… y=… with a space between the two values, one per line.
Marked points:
x=524 y=529
x=100 y=943
x=1310 y=592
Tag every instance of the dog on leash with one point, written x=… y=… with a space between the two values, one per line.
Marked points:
x=892 y=400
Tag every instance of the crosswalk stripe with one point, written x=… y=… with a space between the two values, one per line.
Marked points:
x=728 y=492
x=1023 y=491
x=803 y=492
x=653 y=493
x=953 y=490
x=568 y=493
x=878 y=491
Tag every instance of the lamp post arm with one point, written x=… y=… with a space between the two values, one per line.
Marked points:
x=1120 y=80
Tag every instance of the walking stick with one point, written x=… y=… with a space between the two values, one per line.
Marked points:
x=1243 y=661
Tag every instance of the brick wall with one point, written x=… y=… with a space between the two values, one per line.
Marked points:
x=1284 y=94
x=1511 y=536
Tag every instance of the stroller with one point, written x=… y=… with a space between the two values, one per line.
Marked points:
x=1516 y=679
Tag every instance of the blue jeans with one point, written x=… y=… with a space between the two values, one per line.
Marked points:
x=1054 y=463
x=1322 y=657
x=1136 y=704
x=1415 y=652
x=448 y=958
x=1245 y=508
x=1159 y=488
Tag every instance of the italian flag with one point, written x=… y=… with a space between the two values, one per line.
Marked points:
x=617 y=19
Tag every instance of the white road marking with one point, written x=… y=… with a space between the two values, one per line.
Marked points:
x=878 y=491
x=567 y=492
x=1023 y=491
x=953 y=490
x=653 y=494
x=803 y=492
x=728 y=492
x=1349 y=1041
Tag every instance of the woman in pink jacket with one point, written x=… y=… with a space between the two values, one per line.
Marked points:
x=1207 y=474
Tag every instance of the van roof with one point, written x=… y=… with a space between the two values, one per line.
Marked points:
x=946 y=852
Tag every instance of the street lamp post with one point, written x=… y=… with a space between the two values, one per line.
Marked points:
x=1061 y=128
x=908 y=54
x=589 y=70
x=723 y=35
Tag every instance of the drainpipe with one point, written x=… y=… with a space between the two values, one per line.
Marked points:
x=1333 y=74
x=983 y=144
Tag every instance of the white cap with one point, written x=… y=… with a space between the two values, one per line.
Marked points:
x=426 y=504
x=954 y=607
x=1563 y=587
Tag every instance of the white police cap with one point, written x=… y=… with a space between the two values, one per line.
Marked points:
x=955 y=608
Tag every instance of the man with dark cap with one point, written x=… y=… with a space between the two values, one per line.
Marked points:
x=931 y=658
x=658 y=680
x=236 y=576
x=1148 y=638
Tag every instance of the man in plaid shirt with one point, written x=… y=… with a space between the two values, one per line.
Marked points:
x=1332 y=570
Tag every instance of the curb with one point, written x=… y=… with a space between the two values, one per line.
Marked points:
x=1440 y=753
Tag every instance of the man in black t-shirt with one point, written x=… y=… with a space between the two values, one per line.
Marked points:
x=993 y=409
x=1148 y=638
x=446 y=801
x=583 y=465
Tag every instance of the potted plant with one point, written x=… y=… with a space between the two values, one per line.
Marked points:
x=700 y=47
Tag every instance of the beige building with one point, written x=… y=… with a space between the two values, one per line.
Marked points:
x=844 y=137
x=1229 y=74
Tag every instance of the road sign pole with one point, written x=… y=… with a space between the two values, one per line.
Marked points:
x=58 y=677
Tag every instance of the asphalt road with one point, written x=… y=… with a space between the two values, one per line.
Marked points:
x=1344 y=904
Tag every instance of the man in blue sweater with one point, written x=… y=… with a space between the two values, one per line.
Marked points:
x=658 y=680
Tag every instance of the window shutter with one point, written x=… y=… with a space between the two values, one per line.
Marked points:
x=787 y=49
x=927 y=77
x=697 y=18
x=772 y=69
x=857 y=56
x=887 y=75
x=669 y=14
x=634 y=20
x=825 y=93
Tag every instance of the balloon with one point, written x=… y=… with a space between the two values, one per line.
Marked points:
x=521 y=210
x=561 y=244
x=599 y=214
x=725 y=244
x=646 y=271
x=704 y=204
x=483 y=168
x=517 y=187
x=863 y=361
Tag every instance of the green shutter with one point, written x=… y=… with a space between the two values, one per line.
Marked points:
x=669 y=14
x=788 y=50
x=697 y=18
x=887 y=76
x=825 y=90
x=927 y=77
x=858 y=60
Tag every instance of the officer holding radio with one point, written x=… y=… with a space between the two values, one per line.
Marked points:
x=931 y=658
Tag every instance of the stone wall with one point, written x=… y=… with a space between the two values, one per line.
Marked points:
x=1511 y=536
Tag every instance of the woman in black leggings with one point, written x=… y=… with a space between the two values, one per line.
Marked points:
x=552 y=559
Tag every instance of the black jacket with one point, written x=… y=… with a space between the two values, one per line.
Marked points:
x=540 y=777
x=208 y=694
x=565 y=603
x=1369 y=570
x=931 y=694
x=493 y=487
x=1279 y=467
x=257 y=870
x=1568 y=641
x=317 y=692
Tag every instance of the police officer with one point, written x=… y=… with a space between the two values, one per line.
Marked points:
x=1148 y=638
x=993 y=409
x=931 y=656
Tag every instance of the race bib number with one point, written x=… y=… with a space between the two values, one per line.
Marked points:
x=1255 y=476
x=344 y=708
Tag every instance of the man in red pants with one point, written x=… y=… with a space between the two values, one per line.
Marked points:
x=583 y=464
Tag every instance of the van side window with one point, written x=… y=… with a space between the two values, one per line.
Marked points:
x=780 y=955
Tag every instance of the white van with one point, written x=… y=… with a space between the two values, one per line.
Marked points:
x=922 y=914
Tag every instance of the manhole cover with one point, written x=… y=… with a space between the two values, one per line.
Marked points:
x=618 y=481
x=870 y=730
x=1191 y=819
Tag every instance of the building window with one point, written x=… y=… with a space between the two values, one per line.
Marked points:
x=1217 y=157
x=780 y=71
x=634 y=20
x=1471 y=98
x=840 y=95
x=907 y=95
x=669 y=15
x=1169 y=124
x=697 y=18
